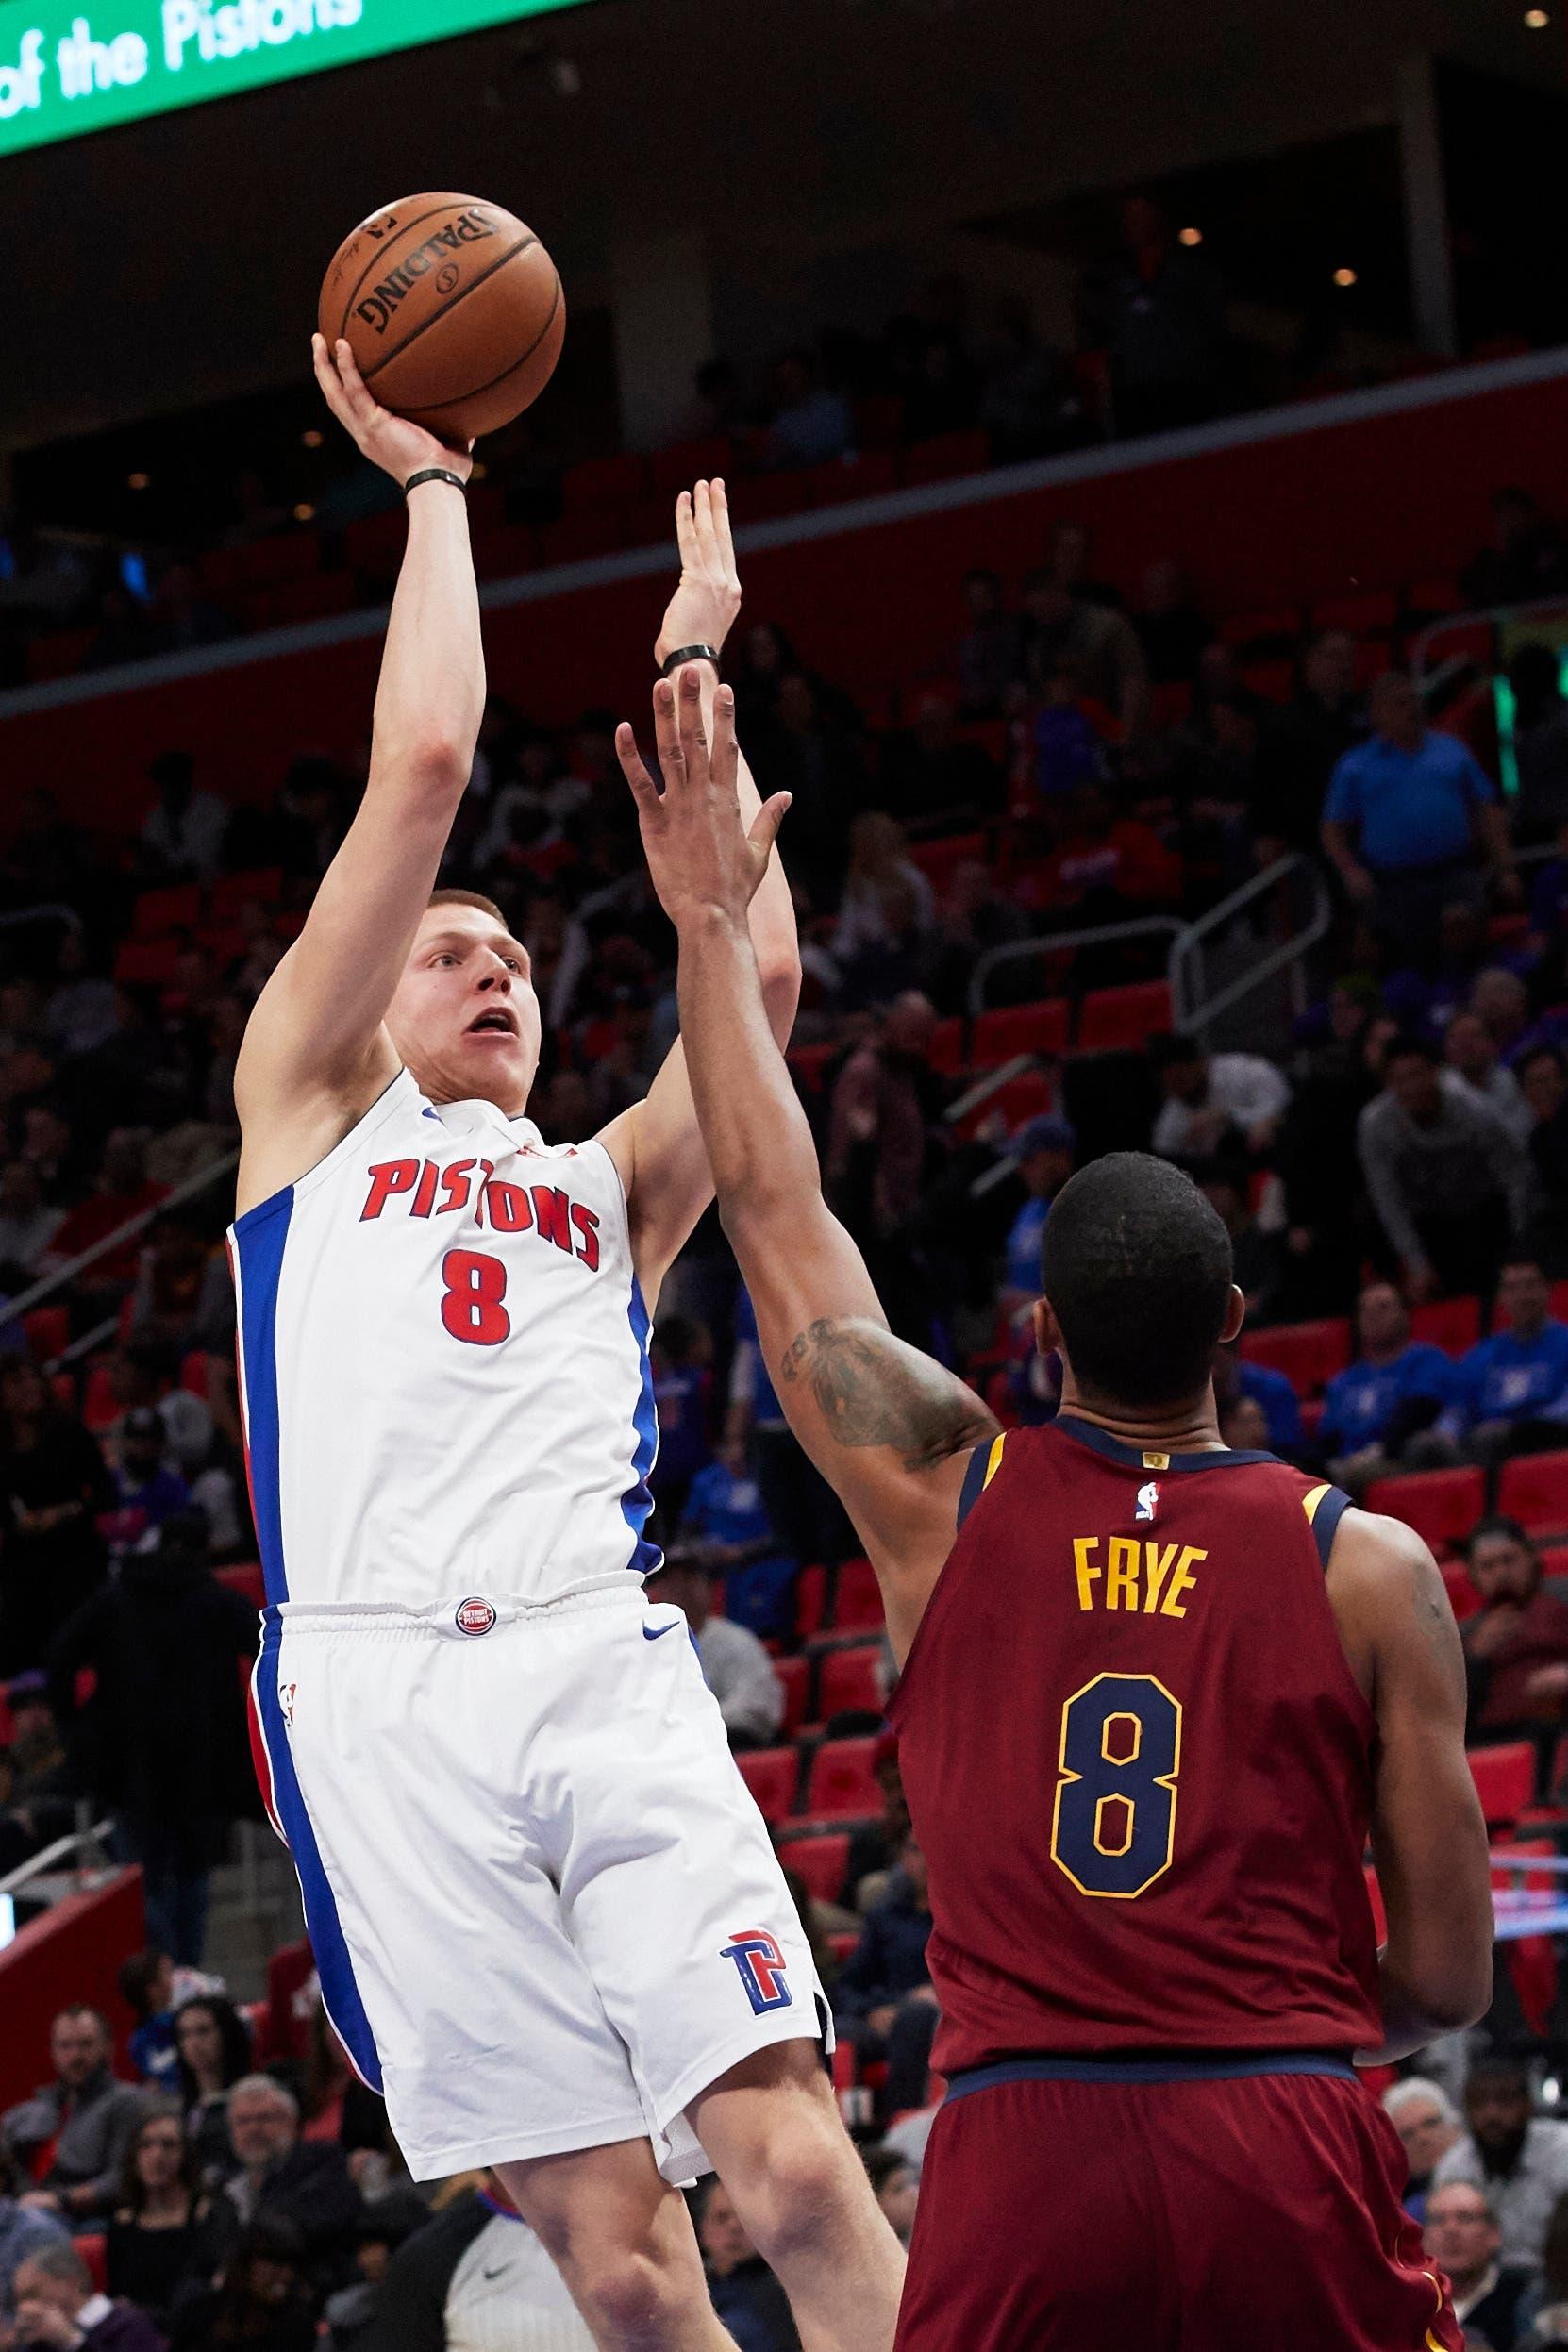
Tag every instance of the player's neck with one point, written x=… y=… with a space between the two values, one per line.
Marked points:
x=1191 y=1427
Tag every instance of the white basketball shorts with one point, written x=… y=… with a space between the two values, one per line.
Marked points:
x=543 y=1907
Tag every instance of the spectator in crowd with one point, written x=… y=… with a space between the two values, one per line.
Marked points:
x=1301 y=749
x=683 y=1382
x=726 y=1530
x=213 y=2042
x=1171 y=629
x=71 y=2137
x=878 y=1137
x=1162 y=313
x=385 y=2225
x=1097 y=647
x=1396 y=1386
x=165 y=2238
x=1507 y=1390
x=1268 y=1393
x=146 y=1983
x=23 y=2229
x=1446 y=1180
x=745 y=2293
x=1548 y=2307
x=883 y=2000
x=1516 y=1646
x=1257 y=1252
x=1540 y=750
x=1525 y=558
x=1044 y=1151
x=278 y=2177
x=887 y=911
x=876 y=1845
x=53 y=1483
x=1544 y=1083
x=1406 y=812
x=58 y=2308
x=811 y=423
x=1470 y=1058
x=1428 y=2122
x=1519 y=2160
x=941 y=780
x=1212 y=1100
x=163 y=1739
x=182 y=835
x=123 y=1190
x=735 y=1666
x=474 y=2277
x=42 y=1796
x=266 y=2300
x=28 y=1223
x=1463 y=2237
x=896 y=2182
x=988 y=651
x=148 y=1491
x=1501 y=1003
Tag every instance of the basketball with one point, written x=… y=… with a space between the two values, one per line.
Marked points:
x=454 y=311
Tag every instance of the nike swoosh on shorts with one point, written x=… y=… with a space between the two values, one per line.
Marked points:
x=650 y=1633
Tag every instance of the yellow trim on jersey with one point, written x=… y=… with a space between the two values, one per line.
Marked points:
x=1311 y=1499
x=993 y=1461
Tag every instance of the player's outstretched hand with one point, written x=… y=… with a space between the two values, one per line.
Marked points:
x=398 y=447
x=700 y=856
x=707 y=596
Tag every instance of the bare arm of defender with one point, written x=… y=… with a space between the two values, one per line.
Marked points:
x=316 y=1052
x=1428 y=1835
x=890 y=1429
x=658 y=1145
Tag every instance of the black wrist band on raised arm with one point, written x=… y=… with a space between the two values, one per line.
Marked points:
x=435 y=474
x=671 y=662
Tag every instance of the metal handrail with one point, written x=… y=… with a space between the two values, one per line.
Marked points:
x=48 y=910
x=991 y=1082
x=1101 y=934
x=40 y=1863
x=121 y=1234
x=1191 y=1015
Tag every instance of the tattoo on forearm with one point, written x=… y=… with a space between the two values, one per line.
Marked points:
x=873 y=1389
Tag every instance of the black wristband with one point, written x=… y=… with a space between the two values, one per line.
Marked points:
x=435 y=474
x=688 y=653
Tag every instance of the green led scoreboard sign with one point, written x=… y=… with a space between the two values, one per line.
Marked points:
x=69 y=66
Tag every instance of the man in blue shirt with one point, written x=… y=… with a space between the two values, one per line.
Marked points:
x=1270 y=1391
x=1043 y=1150
x=1511 y=1390
x=1396 y=1387
x=1418 y=804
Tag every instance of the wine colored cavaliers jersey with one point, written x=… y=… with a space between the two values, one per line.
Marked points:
x=1137 y=1762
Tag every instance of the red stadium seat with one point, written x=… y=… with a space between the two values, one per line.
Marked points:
x=685 y=462
x=246 y=1579
x=1505 y=1780
x=939 y=861
x=1374 y=609
x=230 y=891
x=850 y=1679
x=947 y=1050
x=820 y=1862
x=1533 y=1489
x=1441 y=1505
x=856 y=1598
x=100 y=1406
x=843 y=1786
x=773 y=1775
x=1114 y=1020
x=1451 y=1324
x=1261 y=628
x=147 y=962
x=1309 y=1354
x=47 y=1330
x=1037 y=1029
x=810 y=1601
x=867 y=474
x=795 y=1675
x=177 y=909
x=93 y=2249
x=1462 y=1596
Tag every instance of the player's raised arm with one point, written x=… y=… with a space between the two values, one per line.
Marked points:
x=1428 y=1835
x=890 y=1429
x=658 y=1145
x=316 y=1054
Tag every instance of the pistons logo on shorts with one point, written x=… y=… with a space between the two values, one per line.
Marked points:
x=474 y=1616
x=761 y=1967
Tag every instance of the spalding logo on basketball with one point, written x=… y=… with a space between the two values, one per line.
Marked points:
x=474 y=1616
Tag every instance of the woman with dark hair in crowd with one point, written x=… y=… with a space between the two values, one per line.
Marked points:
x=263 y=2300
x=213 y=2046
x=53 y=1483
x=166 y=2239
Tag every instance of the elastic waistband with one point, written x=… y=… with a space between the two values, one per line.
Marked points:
x=1154 y=2066
x=461 y=1616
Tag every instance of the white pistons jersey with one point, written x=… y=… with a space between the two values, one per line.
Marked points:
x=445 y=1365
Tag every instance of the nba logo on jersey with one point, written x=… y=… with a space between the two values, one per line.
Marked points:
x=761 y=1964
x=474 y=1616
x=1148 y=1500
x=286 y=1701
